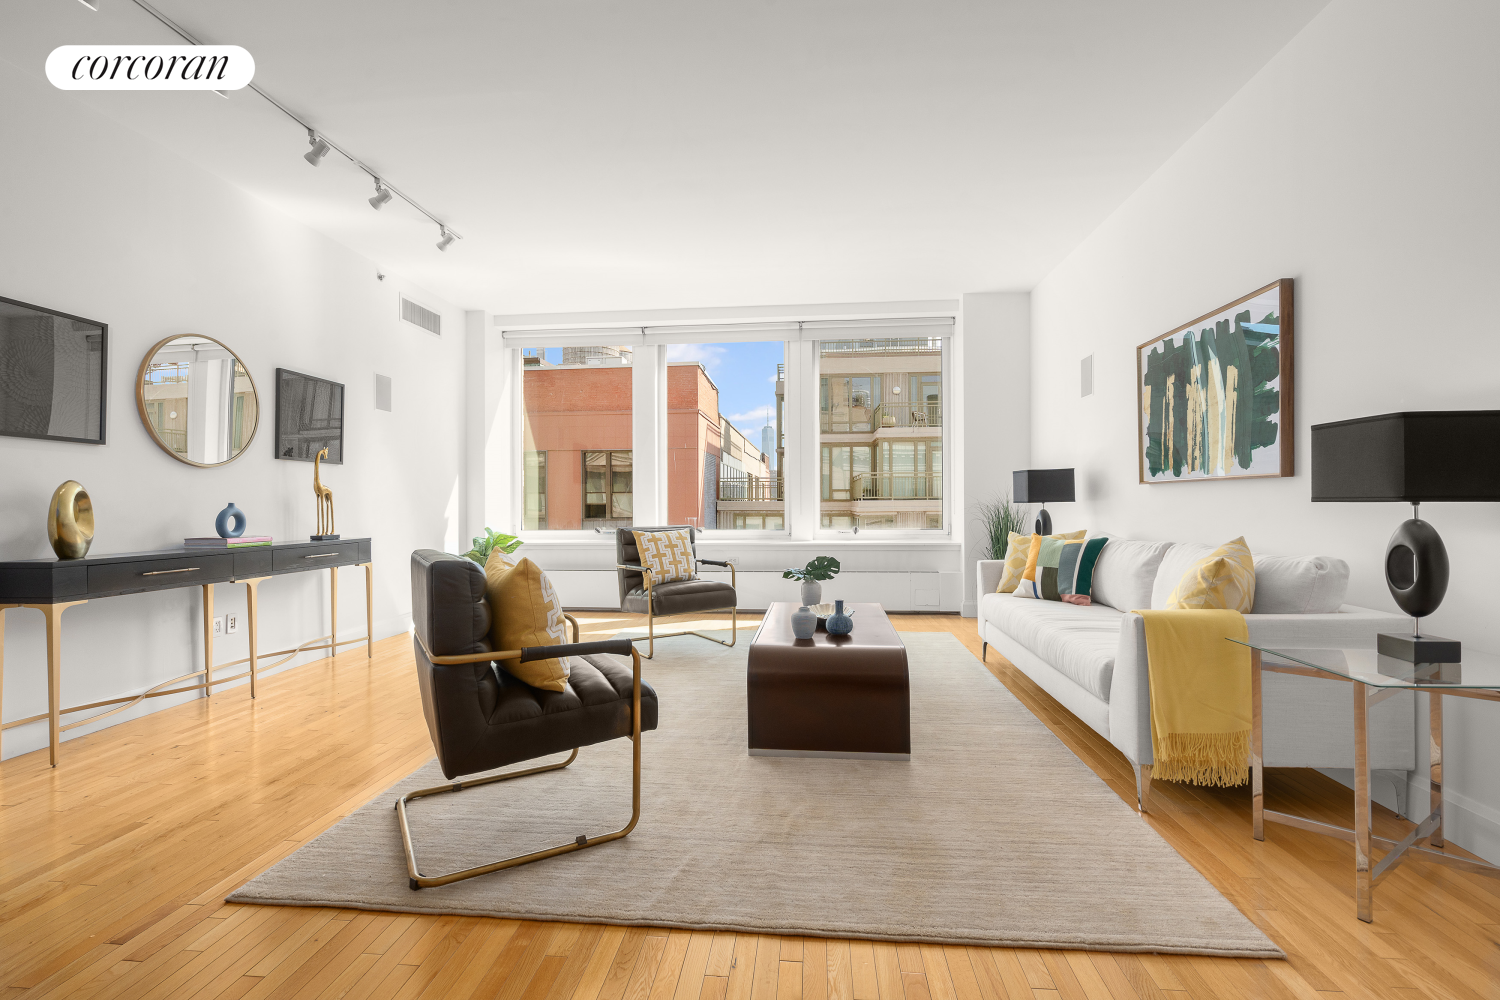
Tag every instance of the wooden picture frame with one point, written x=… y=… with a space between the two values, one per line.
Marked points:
x=1215 y=397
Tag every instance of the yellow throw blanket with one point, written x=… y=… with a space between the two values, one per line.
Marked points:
x=1200 y=696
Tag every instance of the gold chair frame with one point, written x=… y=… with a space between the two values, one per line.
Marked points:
x=416 y=880
x=650 y=638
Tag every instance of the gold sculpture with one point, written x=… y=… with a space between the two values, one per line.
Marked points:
x=70 y=521
x=325 y=500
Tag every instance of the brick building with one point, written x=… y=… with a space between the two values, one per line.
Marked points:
x=578 y=465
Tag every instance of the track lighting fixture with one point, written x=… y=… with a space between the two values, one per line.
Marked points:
x=447 y=240
x=382 y=195
x=319 y=149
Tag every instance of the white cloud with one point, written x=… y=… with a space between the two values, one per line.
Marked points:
x=708 y=355
x=755 y=419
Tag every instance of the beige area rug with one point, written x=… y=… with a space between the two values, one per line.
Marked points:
x=993 y=834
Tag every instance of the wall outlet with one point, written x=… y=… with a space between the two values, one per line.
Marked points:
x=231 y=624
x=218 y=626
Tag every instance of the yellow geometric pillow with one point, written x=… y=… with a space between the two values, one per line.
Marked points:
x=1017 y=552
x=667 y=554
x=526 y=611
x=1222 y=580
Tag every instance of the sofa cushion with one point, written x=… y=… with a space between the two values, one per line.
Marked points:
x=1126 y=571
x=1180 y=558
x=1299 y=585
x=1079 y=642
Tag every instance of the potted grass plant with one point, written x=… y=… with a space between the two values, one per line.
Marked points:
x=999 y=518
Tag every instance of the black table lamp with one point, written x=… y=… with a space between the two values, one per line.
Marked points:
x=1435 y=455
x=1040 y=486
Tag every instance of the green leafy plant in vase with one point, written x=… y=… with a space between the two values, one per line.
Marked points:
x=489 y=542
x=818 y=568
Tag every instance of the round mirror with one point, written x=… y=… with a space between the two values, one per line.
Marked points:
x=197 y=400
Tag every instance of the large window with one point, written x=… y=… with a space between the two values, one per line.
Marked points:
x=576 y=465
x=880 y=433
x=724 y=436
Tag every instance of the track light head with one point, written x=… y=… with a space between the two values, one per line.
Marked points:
x=90 y=5
x=382 y=195
x=447 y=240
x=319 y=149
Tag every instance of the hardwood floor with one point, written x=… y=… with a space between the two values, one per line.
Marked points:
x=114 y=868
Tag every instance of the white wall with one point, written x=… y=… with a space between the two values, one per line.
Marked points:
x=994 y=358
x=1361 y=162
x=97 y=221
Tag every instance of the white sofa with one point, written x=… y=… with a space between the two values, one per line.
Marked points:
x=1093 y=659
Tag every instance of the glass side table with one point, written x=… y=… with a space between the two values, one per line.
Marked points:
x=1374 y=678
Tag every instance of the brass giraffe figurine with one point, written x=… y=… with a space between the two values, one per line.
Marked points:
x=324 y=496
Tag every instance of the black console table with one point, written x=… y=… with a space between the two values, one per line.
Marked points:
x=51 y=586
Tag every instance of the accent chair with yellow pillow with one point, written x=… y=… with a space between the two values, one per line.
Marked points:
x=481 y=718
x=658 y=574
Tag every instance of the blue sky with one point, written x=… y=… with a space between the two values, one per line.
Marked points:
x=745 y=375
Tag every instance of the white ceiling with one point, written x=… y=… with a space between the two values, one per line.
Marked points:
x=601 y=154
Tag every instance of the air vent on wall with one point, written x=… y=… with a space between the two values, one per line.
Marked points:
x=421 y=316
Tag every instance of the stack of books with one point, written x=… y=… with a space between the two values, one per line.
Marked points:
x=242 y=542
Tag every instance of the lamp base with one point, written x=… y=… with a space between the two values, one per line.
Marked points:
x=1043 y=524
x=322 y=538
x=1419 y=648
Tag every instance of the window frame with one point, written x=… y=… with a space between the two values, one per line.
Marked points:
x=801 y=467
x=876 y=535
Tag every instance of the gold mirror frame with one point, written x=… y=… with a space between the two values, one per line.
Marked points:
x=140 y=400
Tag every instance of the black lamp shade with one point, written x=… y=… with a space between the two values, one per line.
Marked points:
x=1431 y=455
x=1042 y=485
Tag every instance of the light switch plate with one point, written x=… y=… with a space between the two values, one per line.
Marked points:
x=231 y=624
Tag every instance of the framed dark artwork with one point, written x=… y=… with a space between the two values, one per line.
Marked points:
x=309 y=417
x=54 y=368
x=1214 y=396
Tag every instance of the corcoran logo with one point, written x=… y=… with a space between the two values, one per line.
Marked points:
x=150 y=67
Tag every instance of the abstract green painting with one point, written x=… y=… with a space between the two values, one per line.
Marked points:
x=1214 y=396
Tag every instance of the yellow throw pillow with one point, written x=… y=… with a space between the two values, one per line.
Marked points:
x=1017 y=552
x=1224 y=580
x=526 y=611
x=667 y=554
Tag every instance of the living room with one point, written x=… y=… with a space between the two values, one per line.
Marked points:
x=816 y=284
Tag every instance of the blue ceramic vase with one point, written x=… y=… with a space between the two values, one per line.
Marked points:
x=228 y=515
x=804 y=623
x=839 y=623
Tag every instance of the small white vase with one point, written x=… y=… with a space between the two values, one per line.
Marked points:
x=812 y=593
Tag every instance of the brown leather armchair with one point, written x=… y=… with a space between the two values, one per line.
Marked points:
x=640 y=595
x=481 y=718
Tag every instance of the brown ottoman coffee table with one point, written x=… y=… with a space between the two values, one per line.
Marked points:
x=829 y=696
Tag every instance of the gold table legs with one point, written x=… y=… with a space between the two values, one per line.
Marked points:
x=252 y=622
x=208 y=639
x=53 y=615
x=370 y=610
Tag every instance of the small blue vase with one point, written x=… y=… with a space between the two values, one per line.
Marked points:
x=227 y=515
x=804 y=623
x=839 y=623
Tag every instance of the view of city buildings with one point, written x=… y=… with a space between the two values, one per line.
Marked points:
x=880 y=438
x=880 y=413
